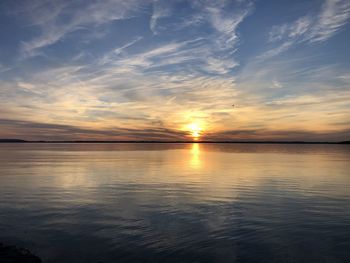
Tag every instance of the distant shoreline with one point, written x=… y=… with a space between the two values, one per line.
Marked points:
x=232 y=142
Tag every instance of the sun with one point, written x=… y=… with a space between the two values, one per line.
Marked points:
x=195 y=131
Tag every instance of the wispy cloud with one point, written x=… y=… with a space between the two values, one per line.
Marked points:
x=223 y=17
x=218 y=45
x=3 y=68
x=226 y=23
x=161 y=9
x=277 y=50
x=276 y=84
x=333 y=15
x=291 y=31
x=55 y=20
x=107 y=58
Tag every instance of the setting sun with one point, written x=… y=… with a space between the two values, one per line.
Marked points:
x=195 y=131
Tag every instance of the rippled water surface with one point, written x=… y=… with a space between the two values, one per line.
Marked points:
x=176 y=202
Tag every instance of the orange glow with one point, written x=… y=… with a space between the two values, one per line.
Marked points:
x=195 y=131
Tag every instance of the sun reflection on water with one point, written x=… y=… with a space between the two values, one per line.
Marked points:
x=195 y=156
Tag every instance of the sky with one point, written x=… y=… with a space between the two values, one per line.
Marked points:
x=173 y=69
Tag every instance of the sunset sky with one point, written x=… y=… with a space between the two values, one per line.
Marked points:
x=172 y=69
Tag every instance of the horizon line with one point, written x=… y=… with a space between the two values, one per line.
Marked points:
x=176 y=141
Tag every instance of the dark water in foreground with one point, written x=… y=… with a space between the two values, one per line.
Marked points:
x=176 y=202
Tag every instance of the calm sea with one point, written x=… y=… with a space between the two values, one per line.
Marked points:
x=72 y=203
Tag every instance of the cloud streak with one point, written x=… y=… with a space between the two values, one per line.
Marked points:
x=333 y=15
x=62 y=21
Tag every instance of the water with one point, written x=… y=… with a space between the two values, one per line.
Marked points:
x=176 y=202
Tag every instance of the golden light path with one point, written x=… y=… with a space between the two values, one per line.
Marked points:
x=195 y=156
